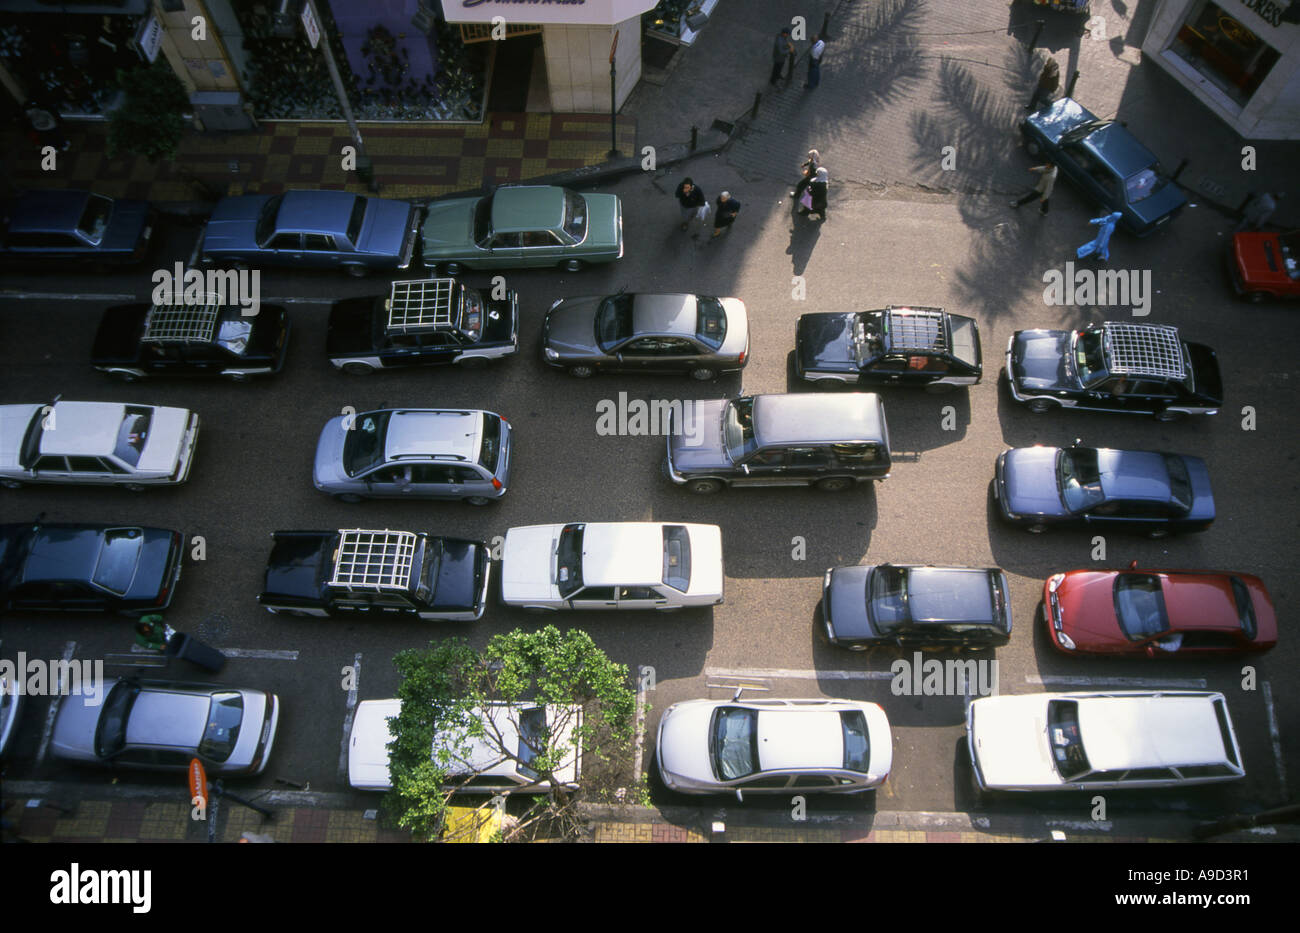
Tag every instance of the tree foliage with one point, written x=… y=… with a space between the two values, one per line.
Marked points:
x=151 y=120
x=444 y=690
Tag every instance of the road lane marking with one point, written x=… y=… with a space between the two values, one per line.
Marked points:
x=68 y=650
x=782 y=673
x=1064 y=680
x=347 y=720
x=259 y=654
x=1276 y=735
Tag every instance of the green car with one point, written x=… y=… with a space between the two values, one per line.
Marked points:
x=524 y=226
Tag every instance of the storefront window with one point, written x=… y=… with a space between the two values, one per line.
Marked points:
x=69 y=62
x=1225 y=51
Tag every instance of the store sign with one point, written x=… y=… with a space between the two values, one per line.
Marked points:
x=309 y=23
x=575 y=12
x=1268 y=10
x=150 y=38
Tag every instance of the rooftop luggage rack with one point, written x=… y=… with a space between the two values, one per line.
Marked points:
x=181 y=323
x=420 y=304
x=374 y=559
x=915 y=328
x=1143 y=350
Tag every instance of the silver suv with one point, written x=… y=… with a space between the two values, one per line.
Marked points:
x=415 y=453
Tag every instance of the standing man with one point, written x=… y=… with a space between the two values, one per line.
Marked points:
x=1048 y=82
x=691 y=198
x=815 y=62
x=728 y=208
x=781 y=49
x=1043 y=190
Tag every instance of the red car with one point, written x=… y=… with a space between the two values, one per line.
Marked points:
x=1158 y=613
x=1265 y=265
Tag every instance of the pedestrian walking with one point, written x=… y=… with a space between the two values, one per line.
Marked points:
x=727 y=209
x=809 y=170
x=1043 y=190
x=782 y=49
x=46 y=128
x=1048 y=81
x=1100 y=244
x=695 y=206
x=815 y=62
x=814 y=201
x=1258 y=210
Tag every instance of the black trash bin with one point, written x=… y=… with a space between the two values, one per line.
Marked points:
x=188 y=648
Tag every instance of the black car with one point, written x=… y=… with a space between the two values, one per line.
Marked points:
x=88 y=568
x=70 y=225
x=322 y=573
x=1143 y=491
x=135 y=341
x=906 y=346
x=422 y=323
x=799 y=439
x=691 y=334
x=916 y=607
x=1139 y=368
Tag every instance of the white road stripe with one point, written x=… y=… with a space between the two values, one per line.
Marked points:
x=68 y=651
x=260 y=654
x=347 y=720
x=1063 y=680
x=781 y=673
x=1276 y=734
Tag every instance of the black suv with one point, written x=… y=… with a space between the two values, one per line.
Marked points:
x=1140 y=368
x=88 y=567
x=322 y=573
x=916 y=607
x=800 y=439
x=906 y=346
x=422 y=323
x=216 y=339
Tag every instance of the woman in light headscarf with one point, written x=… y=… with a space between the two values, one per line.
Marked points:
x=809 y=168
x=817 y=188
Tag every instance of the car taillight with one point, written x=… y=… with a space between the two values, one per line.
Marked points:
x=741 y=359
x=496 y=484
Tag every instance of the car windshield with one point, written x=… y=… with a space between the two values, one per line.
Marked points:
x=677 y=557
x=1083 y=130
x=266 y=220
x=118 y=556
x=887 y=598
x=614 y=320
x=132 y=434
x=1140 y=606
x=1078 y=479
x=575 y=215
x=110 y=733
x=1180 y=483
x=738 y=429
x=222 y=731
x=363 y=444
x=426 y=577
x=867 y=342
x=857 y=745
x=483 y=221
x=1145 y=183
x=1245 y=609
x=711 y=321
x=94 y=219
x=533 y=736
x=490 y=451
x=735 y=742
x=568 y=560
x=1067 y=744
x=233 y=334
x=471 y=313
x=1089 y=360
x=356 y=219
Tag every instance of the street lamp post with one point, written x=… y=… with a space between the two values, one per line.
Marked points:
x=613 y=107
x=311 y=22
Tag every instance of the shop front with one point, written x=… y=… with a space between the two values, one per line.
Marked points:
x=1241 y=58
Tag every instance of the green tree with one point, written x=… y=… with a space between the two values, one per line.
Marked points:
x=447 y=686
x=151 y=119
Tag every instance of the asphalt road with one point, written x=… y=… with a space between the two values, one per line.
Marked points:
x=252 y=477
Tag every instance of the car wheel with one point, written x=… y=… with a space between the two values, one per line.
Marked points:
x=351 y=498
x=581 y=372
x=477 y=500
x=1040 y=406
x=1037 y=529
x=237 y=377
x=571 y=265
x=1155 y=533
x=452 y=268
x=1168 y=416
x=11 y=484
x=133 y=487
x=940 y=388
x=356 y=271
x=703 y=374
x=704 y=486
x=358 y=369
x=1032 y=146
x=125 y=375
x=472 y=362
x=834 y=484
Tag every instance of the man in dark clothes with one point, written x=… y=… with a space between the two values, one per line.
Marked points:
x=1048 y=82
x=781 y=49
x=691 y=198
x=727 y=209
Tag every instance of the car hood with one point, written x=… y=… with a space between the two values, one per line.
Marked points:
x=526 y=563
x=162 y=450
x=125 y=226
x=328 y=468
x=1038 y=359
x=368 y=744
x=449 y=225
x=1030 y=477
x=604 y=220
x=75 y=725
x=233 y=224
x=846 y=602
x=383 y=231
x=570 y=327
x=825 y=341
x=1259 y=260
x=684 y=741
x=1009 y=739
x=697 y=443
x=14 y=420
x=1087 y=601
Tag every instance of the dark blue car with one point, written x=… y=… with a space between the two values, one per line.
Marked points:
x=311 y=229
x=1141 y=491
x=78 y=225
x=1107 y=162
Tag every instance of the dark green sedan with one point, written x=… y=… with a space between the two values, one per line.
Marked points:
x=522 y=227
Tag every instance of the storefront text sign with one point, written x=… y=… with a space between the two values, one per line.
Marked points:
x=309 y=23
x=150 y=38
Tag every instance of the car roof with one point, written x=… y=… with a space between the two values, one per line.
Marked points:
x=452 y=434
x=800 y=737
x=817 y=418
x=917 y=329
x=623 y=554
x=1120 y=149
x=168 y=717
x=86 y=429
x=63 y=552
x=315 y=211
x=664 y=314
x=527 y=207
x=1143 y=350
x=1155 y=731
x=1133 y=474
x=949 y=594
x=42 y=211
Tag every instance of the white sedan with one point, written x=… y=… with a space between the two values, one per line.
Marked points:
x=612 y=565
x=96 y=443
x=774 y=746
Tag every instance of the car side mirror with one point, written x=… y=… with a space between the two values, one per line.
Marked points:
x=740 y=795
x=1133 y=565
x=1150 y=651
x=744 y=468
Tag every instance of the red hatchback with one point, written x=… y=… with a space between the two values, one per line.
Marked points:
x=1265 y=265
x=1158 y=613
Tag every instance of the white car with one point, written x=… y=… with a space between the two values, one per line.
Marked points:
x=612 y=565
x=484 y=770
x=96 y=443
x=774 y=746
x=1102 y=741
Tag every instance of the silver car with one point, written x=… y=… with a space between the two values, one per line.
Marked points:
x=415 y=453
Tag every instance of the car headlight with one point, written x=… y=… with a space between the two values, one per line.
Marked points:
x=551 y=354
x=1054 y=581
x=1064 y=641
x=555 y=304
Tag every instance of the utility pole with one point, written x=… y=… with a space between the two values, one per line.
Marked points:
x=311 y=22
x=613 y=109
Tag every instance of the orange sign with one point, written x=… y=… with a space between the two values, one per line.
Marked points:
x=198 y=782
